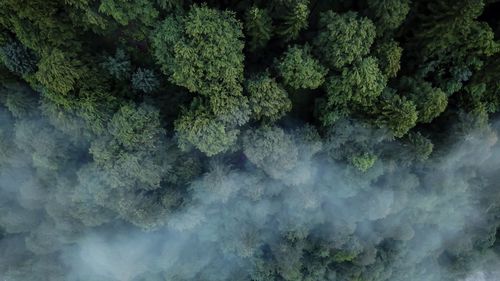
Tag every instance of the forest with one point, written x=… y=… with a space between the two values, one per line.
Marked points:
x=249 y=140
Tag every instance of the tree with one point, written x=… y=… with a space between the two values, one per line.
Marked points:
x=343 y=37
x=387 y=14
x=294 y=20
x=421 y=146
x=17 y=58
x=270 y=149
x=125 y=11
x=395 y=112
x=165 y=37
x=145 y=80
x=356 y=87
x=430 y=101
x=355 y=142
x=202 y=130
x=207 y=51
x=206 y=56
x=448 y=43
x=258 y=26
x=388 y=54
x=300 y=70
x=130 y=154
x=58 y=72
x=118 y=66
x=268 y=100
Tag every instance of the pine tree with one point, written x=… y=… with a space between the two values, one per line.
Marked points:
x=258 y=26
x=295 y=20
x=300 y=70
x=343 y=38
x=268 y=100
x=145 y=80
x=17 y=58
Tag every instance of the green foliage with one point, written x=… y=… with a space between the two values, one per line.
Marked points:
x=129 y=155
x=343 y=38
x=295 y=20
x=396 y=112
x=118 y=66
x=300 y=70
x=17 y=58
x=58 y=72
x=166 y=35
x=430 y=101
x=270 y=149
x=125 y=11
x=349 y=140
x=363 y=162
x=421 y=146
x=145 y=80
x=209 y=63
x=387 y=14
x=389 y=54
x=358 y=86
x=198 y=128
x=354 y=142
x=135 y=128
x=267 y=99
x=450 y=43
x=204 y=61
x=258 y=26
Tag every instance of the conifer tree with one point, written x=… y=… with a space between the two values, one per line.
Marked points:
x=300 y=70
x=258 y=26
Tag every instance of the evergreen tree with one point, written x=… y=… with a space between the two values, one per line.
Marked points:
x=258 y=26
x=18 y=58
x=198 y=128
x=118 y=66
x=145 y=80
x=389 y=55
x=300 y=70
x=356 y=87
x=268 y=100
x=271 y=149
x=430 y=101
x=125 y=11
x=343 y=38
x=387 y=14
x=58 y=72
x=295 y=20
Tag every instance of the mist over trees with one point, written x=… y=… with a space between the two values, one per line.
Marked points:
x=278 y=140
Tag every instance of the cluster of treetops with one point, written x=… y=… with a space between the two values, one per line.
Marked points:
x=112 y=108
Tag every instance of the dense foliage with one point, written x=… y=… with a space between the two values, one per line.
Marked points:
x=284 y=140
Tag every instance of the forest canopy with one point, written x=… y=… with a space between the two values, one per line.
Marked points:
x=252 y=140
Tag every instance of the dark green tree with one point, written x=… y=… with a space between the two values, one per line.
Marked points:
x=300 y=70
x=145 y=80
x=356 y=87
x=202 y=130
x=389 y=55
x=125 y=11
x=395 y=112
x=430 y=101
x=58 y=72
x=118 y=66
x=17 y=58
x=295 y=19
x=267 y=99
x=343 y=38
x=387 y=14
x=258 y=26
x=271 y=149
